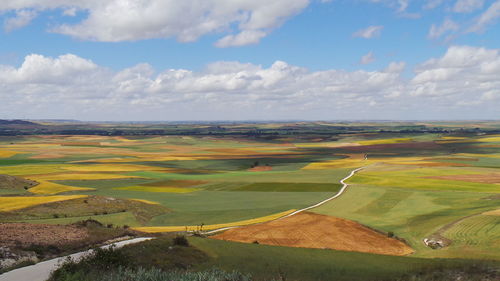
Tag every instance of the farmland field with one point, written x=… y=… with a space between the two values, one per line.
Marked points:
x=412 y=187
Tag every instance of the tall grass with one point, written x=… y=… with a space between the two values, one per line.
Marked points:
x=154 y=274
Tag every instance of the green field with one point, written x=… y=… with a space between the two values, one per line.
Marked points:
x=412 y=185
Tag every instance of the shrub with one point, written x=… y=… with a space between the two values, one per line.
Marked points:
x=100 y=260
x=181 y=240
x=155 y=274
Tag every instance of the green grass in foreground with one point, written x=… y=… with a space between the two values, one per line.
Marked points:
x=169 y=256
x=266 y=262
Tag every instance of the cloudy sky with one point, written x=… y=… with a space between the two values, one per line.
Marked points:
x=250 y=59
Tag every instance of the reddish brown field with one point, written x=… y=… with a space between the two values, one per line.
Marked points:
x=310 y=230
x=16 y=234
x=486 y=178
x=261 y=169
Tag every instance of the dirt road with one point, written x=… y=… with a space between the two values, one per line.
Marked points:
x=41 y=271
x=342 y=190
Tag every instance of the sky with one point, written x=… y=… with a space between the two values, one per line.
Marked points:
x=173 y=60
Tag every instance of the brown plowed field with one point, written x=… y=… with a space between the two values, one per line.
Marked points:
x=261 y=169
x=16 y=234
x=310 y=230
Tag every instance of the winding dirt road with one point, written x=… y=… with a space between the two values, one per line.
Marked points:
x=41 y=271
x=341 y=191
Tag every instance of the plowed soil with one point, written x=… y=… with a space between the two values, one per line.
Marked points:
x=310 y=230
x=16 y=234
x=261 y=169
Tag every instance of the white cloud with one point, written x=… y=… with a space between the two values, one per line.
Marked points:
x=432 y=4
x=367 y=59
x=463 y=83
x=396 y=67
x=369 y=32
x=488 y=17
x=447 y=26
x=464 y=74
x=467 y=6
x=21 y=19
x=243 y=38
x=243 y=22
x=70 y=12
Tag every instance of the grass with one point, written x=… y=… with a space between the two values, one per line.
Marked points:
x=418 y=179
x=102 y=184
x=394 y=193
x=81 y=176
x=7 y=153
x=134 y=212
x=384 y=141
x=157 y=229
x=12 y=203
x=50 y=188
x=158 y=189
x=410 y=214
x=215 y=207
x=285 y=187
x=167 y=260
x=109 y=168
x=116 y=219
x=268 y=262
x=476 y=236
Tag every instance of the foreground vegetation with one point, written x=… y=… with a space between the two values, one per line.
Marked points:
x=171 y=260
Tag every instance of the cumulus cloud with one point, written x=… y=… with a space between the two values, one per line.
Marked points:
x=368 y=58
x=73 y=87
x=369 y=32
x=245 y=21
x=467 y=6
x=463 y=77
x=437 y=31
x=21 y=19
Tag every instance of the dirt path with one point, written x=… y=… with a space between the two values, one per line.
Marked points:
x=41 y=271
x=342 y=190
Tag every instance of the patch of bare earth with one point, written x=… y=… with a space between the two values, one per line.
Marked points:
x=261 y=169
x=24 y=234
x=310 y=230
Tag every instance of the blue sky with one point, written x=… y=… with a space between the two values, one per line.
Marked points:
x=227 y=60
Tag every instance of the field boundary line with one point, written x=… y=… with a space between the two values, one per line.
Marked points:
x=341 y=191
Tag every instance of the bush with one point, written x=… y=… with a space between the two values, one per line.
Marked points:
x=155 y=274
x=471 y=272
x=181 y=240
x=100 y=260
